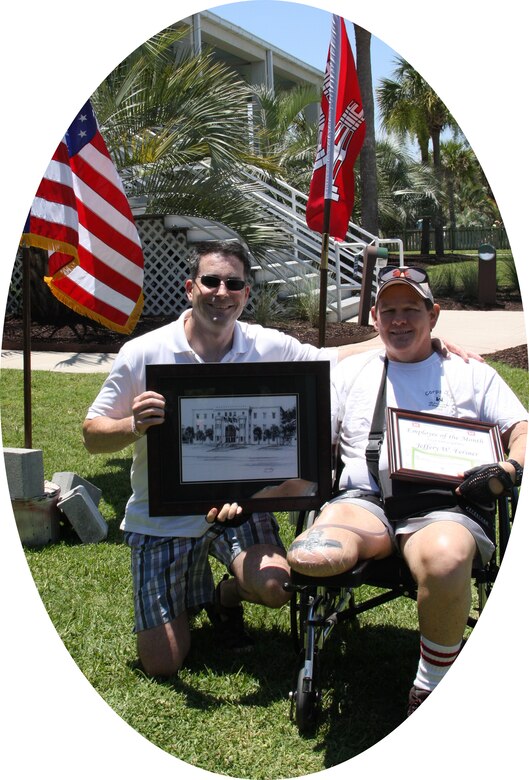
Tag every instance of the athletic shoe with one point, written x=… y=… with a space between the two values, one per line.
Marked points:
x=228 y=623
x=416 y=698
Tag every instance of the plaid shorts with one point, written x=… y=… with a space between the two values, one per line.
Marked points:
x=173 y=574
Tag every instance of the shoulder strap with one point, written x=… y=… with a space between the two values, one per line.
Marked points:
x=378 y=427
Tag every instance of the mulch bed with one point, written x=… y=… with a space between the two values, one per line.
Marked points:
x=89 y=337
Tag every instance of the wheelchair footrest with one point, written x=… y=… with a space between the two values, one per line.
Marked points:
x=384 y=573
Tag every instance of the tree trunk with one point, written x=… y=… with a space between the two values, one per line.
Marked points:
x=368 y=160
x=451 y=210
x=425 y=236
x=423 y=141
x=438 y=218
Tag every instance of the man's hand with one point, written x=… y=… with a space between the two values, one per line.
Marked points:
x=484 y=483
x=106 y=434
x=444 y=348
x=148 y=409
x=229 y=515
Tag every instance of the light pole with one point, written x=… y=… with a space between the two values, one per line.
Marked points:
x=486 y=274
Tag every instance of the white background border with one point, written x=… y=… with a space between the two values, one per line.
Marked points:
x=53 y=57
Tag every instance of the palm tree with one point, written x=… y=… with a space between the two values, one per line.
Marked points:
x=459 y=166
x=282 y=134
x=177 y=128
x=368 y=160
x=279 y=118
x=410 y=107
x=404 y=186
x=470 y=199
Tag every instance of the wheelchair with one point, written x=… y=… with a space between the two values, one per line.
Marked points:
x=319 y=604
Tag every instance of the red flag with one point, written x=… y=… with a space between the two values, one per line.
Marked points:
x=341 y=128
x=81 y=215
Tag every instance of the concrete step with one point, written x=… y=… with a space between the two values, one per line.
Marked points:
x=276 y=270
x=350 y=309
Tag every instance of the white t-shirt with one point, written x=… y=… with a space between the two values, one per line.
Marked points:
x=450 y=387
x=168 y=345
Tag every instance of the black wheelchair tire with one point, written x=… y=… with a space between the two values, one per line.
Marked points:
x=307 y=705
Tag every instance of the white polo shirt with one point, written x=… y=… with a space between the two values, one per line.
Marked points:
x=168 y=345
x=451 y=388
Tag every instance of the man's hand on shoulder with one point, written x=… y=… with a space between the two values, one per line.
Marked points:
x=445 y=348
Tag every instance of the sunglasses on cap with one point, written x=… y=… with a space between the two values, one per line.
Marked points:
x=212 y=282
x=413 y=274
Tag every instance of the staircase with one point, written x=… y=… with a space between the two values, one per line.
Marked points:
x=296 y=269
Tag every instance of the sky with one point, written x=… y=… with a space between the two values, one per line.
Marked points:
x=475 y=56
x=303 y=31
x=300 y=30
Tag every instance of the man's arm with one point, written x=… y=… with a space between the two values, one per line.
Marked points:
x=515 y=443
x=103 y=434
x=445 y=348
x=106 y=434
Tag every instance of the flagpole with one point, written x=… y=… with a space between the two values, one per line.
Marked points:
x=324 y=272
x=334 y=66
x=340 y=137
x=26 y=321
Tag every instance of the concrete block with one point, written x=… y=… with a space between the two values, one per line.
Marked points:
x=38 y=519
x=25 y=472
x=83 y=515
x=68 y=480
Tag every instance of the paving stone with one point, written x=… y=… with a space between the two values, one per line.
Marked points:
x=25 y=472
x=83 y=515
x=67 y=480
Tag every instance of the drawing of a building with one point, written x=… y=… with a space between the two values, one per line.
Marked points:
x=244 y=425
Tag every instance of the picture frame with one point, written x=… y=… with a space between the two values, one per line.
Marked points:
x=427 y=447
x=255 y=433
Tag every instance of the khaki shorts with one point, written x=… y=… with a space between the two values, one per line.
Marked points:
x=395 y=528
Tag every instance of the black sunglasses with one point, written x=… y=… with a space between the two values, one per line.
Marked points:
x=413 y=274
x=212 y=282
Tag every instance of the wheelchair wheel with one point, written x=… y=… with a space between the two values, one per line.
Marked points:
x=307 y=702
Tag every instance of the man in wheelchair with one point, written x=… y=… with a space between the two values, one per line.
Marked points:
x=438 y=531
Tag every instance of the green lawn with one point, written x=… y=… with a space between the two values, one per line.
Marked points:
x=225 y=714
x=461 y=276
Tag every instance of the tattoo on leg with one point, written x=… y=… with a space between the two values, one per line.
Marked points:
x=315 y=540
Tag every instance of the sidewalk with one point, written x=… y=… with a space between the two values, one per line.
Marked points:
x=73 y=362
x=478 y=331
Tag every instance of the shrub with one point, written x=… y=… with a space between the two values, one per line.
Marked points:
x=304 y=300
x=468 y=278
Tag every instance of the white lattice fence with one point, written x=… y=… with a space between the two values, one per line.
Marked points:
x=165 y=254
x=14 y=296
x=166 y=270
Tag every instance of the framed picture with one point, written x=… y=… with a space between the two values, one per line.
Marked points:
x=434 y=448
x=254 y=433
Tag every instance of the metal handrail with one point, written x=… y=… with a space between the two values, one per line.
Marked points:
x=345 y=258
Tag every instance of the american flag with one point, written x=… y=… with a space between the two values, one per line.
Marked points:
x=81 y=215
x=341 y=135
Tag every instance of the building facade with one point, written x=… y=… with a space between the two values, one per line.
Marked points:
x=245 y=425
x=256 y=60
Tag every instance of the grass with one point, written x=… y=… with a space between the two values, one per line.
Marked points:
x=222 y=713
x=516 y=378
x=462 y=276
